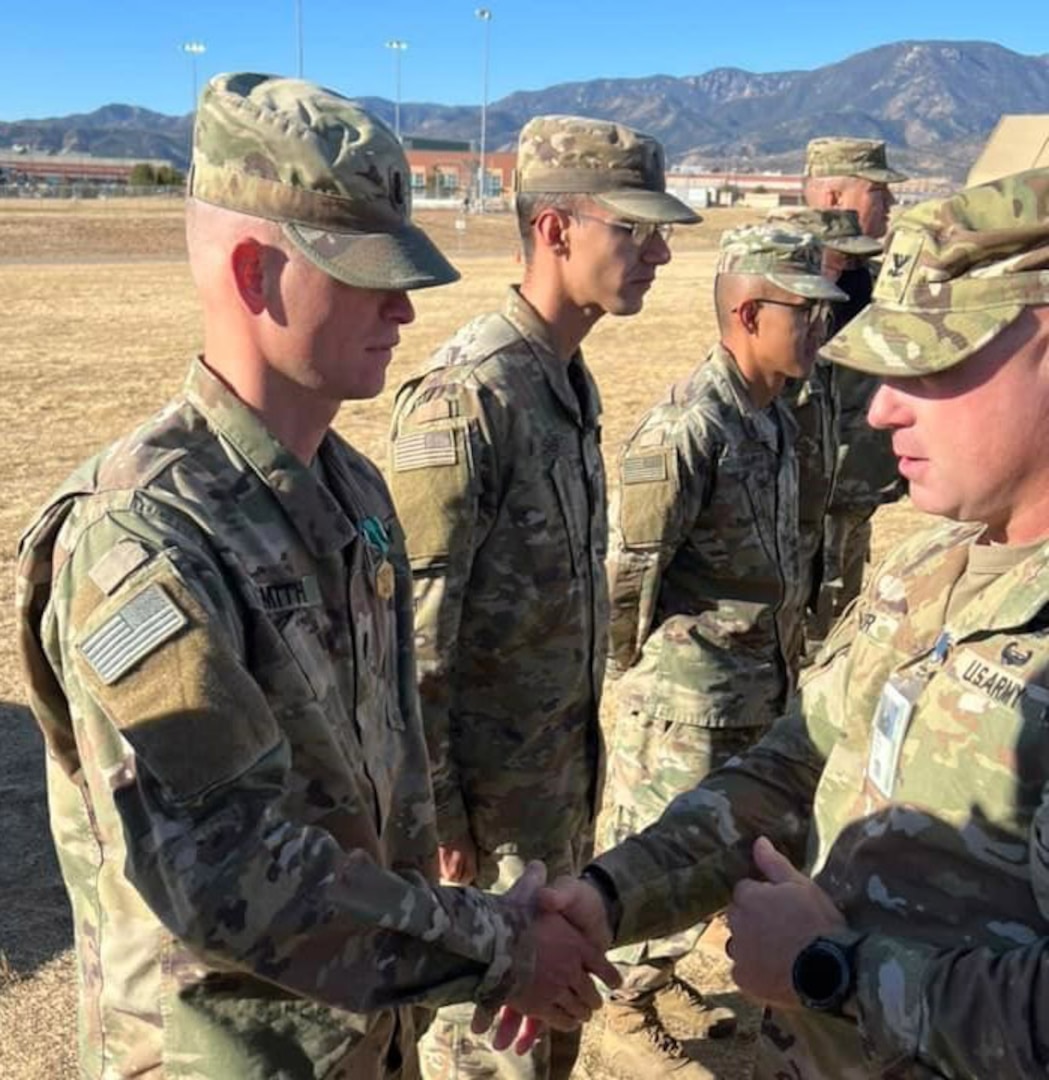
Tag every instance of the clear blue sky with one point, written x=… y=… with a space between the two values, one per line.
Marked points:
x=67 y=56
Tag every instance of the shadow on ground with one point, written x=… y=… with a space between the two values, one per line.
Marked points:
x=35 y=922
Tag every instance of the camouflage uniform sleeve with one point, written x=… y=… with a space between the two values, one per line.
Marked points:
x=441 y=466
x=959 y=1012
x=682 y=869
x=664 y=473
x=181 y=750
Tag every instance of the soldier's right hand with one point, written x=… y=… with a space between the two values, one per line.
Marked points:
x=457 y=860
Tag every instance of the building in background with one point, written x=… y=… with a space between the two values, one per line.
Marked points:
x=445 y=170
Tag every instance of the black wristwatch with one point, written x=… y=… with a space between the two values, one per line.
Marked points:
x=824 y=972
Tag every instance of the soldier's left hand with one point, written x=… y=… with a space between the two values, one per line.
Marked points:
x=771 y=922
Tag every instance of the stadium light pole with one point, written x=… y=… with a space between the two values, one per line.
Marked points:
x=485 y=15
x=298 y=31
x=193 y=49
x=398 y=47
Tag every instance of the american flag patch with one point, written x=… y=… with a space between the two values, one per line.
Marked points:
x=143 y=623
x=423 y=449
x=644 y=469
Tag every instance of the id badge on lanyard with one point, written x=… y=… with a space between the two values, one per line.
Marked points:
x=892 y=718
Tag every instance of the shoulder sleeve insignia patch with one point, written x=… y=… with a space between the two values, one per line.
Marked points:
x=143 y=624
x=425 y=449
x=644 y=468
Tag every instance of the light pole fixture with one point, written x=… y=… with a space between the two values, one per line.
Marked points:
x=485 y=15
x=398 y=47
x=298 y=31
x=193 y=49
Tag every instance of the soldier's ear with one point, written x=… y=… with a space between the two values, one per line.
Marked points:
x=747 y=313
x=248 y=266
x=550 y=229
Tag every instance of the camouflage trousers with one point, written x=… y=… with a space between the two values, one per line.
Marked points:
x=450 y=1051
x=846 y=552
x=651 y=763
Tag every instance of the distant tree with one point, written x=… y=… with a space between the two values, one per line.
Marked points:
x=143 y=175
x=169 y=176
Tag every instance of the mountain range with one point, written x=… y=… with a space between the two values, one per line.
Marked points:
x=933 y=102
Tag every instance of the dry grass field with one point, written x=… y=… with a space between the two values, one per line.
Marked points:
x=97 y=326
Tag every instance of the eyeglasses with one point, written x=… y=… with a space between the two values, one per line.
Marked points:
x=640 y=231
x=815 y=310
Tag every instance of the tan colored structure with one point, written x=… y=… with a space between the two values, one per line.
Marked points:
x=1018 y=142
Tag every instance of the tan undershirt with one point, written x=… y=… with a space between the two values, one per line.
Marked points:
x=987 y=563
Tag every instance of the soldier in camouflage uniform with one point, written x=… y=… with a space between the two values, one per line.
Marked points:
x=813 y=401
x=852 y=174
x=910 y=777
x=216 y=634
x=497 y=474
x=708 y=586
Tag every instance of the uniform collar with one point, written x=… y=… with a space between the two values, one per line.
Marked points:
x=761 y=424
x=536 y=332
x=315 y=513
x=1013 y=599
x=918 y=588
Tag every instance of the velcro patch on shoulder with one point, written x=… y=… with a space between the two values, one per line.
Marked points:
x=655 y=437
x=141 y=626
x=424 y=450
x=438 y=408
x=644 y=468
x=118 y=564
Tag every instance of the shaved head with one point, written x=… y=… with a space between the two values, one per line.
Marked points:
x=212 y=232
x=730 y=290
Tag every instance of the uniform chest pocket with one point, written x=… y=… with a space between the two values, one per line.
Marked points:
x=986 y=726
x=303 y=634
x=742 y=505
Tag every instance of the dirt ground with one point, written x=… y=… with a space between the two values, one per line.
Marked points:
x=98 y=324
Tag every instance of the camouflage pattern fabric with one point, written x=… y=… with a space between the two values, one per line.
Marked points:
x=333 y=175
x=865 y=474
x=838 y=230
x=449 y=1050
x=620 y=168
x=705 y=576
x=708 y=589
x=813 y=405
x=956 y=272
x=653 y=762
x=217 y=647
x=785 y=258
x=838 y=155
x=497 y=474
x=943 y=871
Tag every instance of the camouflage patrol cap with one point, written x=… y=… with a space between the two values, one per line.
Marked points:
x=789 y=260
x=618 y=167
x=841 y=156
x=957 y=272
x=838 y=230
x=334 y=176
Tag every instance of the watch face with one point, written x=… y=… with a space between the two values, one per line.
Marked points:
x=822 y=975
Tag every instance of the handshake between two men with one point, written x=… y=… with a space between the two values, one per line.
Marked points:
x=772 y=917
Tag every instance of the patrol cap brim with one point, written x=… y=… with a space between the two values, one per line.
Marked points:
x=863 y=247
x=639 y=204
x=879 y=176
x=811 y=286
x=899 y=343
x=405 y=258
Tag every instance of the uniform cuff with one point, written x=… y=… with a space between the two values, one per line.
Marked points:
x=889 y=999
x=513 y=954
